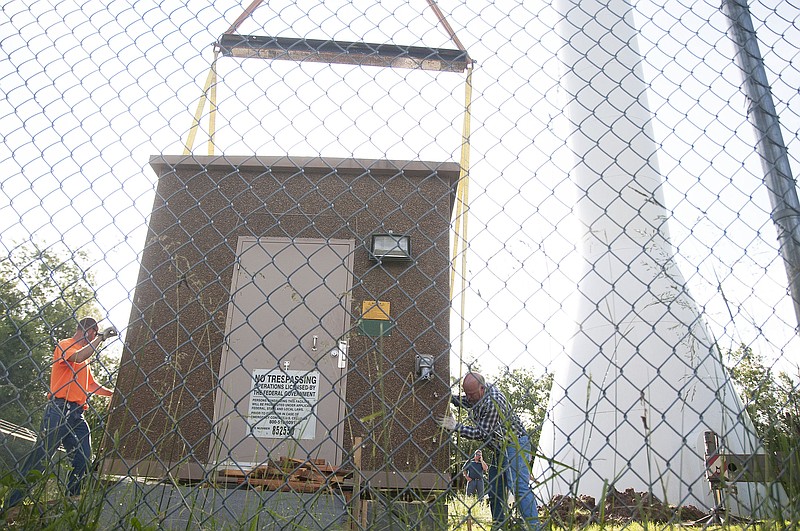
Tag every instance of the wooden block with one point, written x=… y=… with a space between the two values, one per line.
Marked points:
x=356 y=522
x=284 y=486
x=343 y=472
x=275 y=472
x=306 y=473
x=258 y=471
x=294 y=462
x=326 y=469
x=232 y=473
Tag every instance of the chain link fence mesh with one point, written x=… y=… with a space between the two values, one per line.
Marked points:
x=310 y=220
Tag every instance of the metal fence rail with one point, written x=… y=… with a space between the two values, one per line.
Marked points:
x=312 y=222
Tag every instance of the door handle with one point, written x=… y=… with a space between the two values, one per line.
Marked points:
x=342 y=350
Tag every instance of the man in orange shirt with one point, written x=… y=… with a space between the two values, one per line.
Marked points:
x=71 y=384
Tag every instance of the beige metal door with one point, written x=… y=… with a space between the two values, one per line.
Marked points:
x=282 y=374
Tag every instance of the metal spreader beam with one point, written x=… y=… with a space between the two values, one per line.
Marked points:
x=342 y=52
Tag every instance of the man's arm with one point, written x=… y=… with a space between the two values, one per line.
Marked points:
x=460 y=401
x=101 y=390
x=84 y=353
x=97 y=389
x=487 y=421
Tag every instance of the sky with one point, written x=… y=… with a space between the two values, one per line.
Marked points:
x=90 y=91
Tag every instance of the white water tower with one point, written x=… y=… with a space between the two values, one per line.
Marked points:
x=642 y=380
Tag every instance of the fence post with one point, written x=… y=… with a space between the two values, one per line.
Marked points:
x=770 y=145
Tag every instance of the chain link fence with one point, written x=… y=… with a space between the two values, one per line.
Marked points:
x=309 y=221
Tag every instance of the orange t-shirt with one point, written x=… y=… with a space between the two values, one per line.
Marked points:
x=70 y=380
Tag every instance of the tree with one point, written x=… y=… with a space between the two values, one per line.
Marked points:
x=529 y=394
x=772 y=400
x=773 y=404
x=43 y=291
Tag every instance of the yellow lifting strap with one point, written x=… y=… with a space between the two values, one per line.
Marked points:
x=462 y=193
x=210 y=88
x=460 y=243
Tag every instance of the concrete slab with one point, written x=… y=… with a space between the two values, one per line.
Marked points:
x=129 y=504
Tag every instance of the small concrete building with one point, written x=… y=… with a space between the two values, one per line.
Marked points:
x=265 y=325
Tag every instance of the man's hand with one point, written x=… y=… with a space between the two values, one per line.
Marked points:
x=448 y=422
x=107 y=333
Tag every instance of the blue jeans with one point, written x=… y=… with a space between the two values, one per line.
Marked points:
x=517 y=472
x=63 y=423
x=475 y=488
x=498 y=494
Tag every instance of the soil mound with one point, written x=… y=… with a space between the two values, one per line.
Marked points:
x=618 y=508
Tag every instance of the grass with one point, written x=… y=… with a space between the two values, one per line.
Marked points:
x=461 y=509
x=675 y=527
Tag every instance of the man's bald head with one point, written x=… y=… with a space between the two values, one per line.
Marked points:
x=474 y=386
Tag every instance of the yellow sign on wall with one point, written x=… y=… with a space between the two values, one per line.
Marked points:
x=375 y=310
